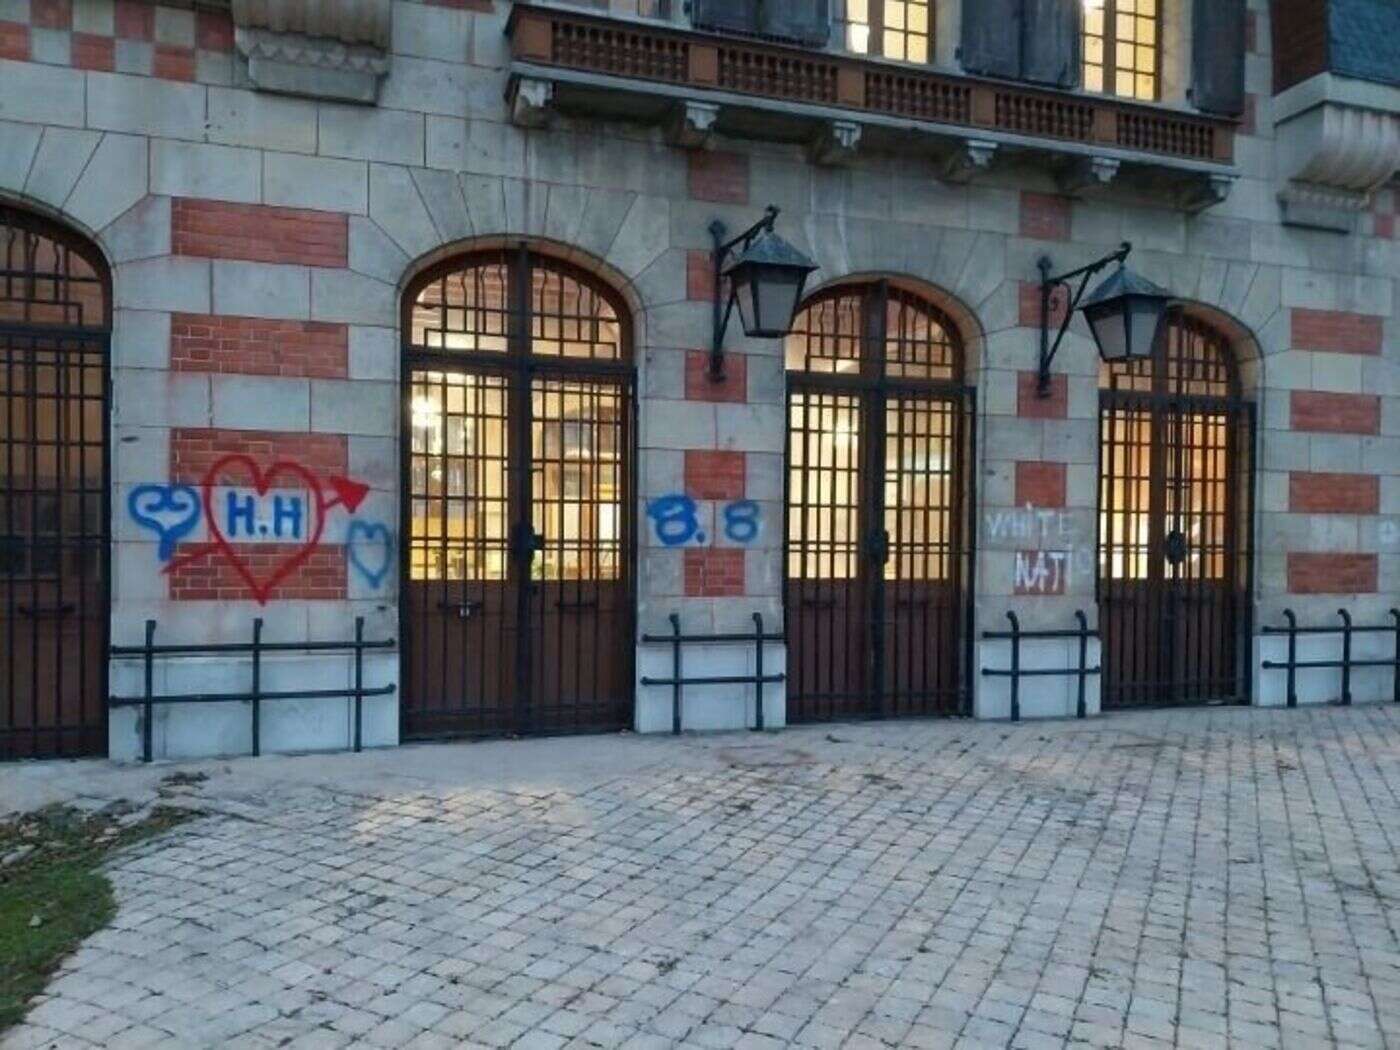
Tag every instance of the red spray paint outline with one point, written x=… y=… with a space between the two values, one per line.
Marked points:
x=349 y=494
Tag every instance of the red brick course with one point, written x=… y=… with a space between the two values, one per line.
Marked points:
x=1029 y=405
x=14 y=41
x=1333 y=573
x=714 y=572
x=173 y=63
x=258 y=233
x=733 y=388
x=1336 y=332
x=1030 y=305
x=51 y=14
x=1040 y=484
x=255 y=346
x=714 y=474
x=1327 y=413
x=699 y=277
x=193 y=451
x=135 y=20
x=90 y=51
x=1045 y=217
x=1313 y=493
x=321 y=577
x=720 y=177
x=213 y=30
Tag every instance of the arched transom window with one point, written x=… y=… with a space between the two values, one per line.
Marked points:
x=476 y=308
x=845 y=332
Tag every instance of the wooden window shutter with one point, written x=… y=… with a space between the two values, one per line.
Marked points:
x=801 y=21
x=1052 y=33
x=991 y=37
x=726 y=16
x=1217 y=45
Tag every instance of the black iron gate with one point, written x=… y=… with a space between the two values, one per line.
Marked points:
x=517 y=574
x=54 y=335
x=877 y=567
x=1175 y=508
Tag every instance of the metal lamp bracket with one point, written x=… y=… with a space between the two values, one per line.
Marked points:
x=1048 y=285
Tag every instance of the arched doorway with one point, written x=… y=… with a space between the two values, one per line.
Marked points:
x=517 y=596
x=1175 y=507
x=876 y=565
x=55 y=329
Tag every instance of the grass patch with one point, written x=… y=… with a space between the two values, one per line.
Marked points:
x=53 y=893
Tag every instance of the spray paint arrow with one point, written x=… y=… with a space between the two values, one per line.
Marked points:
x=348 y=494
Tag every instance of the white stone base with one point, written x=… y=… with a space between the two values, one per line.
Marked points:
x=207 y=730
x=710 y=707
x=1048 y=696
x=1323 y=685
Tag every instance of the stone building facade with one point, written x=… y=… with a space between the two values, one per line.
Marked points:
x=402 y=311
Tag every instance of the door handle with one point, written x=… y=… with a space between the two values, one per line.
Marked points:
x=527 y=542
x=580 y=604
x=879 y=546
x=463 y=610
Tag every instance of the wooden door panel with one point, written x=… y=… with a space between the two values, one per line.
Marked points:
x=460 y=674
x=828 y=650
x=1171 y=517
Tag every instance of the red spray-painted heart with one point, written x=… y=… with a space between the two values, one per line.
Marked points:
x=262 y=584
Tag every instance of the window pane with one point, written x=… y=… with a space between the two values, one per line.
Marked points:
x=1127 y=30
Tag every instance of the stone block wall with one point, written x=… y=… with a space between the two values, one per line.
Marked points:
x=260 y=243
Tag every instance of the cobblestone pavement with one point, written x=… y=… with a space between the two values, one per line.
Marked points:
x=1193 y=879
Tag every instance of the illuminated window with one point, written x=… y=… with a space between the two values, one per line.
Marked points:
x=1165 y=459
x=897 y=29
x=498 y=337
x=1122 y=47
x=844 y=338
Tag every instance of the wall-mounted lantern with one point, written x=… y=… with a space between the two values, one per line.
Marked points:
x=1125 y=313
x=764 y=274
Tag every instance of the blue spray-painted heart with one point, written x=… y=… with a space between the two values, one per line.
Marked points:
x=170 y=511
x=369 y=546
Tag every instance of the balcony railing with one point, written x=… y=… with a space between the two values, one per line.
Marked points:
x=582 y=43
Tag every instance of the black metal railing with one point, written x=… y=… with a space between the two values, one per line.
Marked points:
x=678 y=681
x=1016 y=672
x=257 y=648
x=1347 y=663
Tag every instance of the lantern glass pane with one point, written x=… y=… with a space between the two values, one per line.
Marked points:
x=743 y=279
x=1110 y=329
x=777 y=302
x=1144 y=317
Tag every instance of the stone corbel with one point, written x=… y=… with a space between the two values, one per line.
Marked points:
x=334 y=50
x=1338 y=141
x=837 y=143
x=971 y=158
x=1205 y=191
x=530 y=102
x=692 y=125
x=1087 y=173
x=1321 y=207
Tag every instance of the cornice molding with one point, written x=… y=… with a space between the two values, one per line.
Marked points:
x=1338 y=142
x=347 y=21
